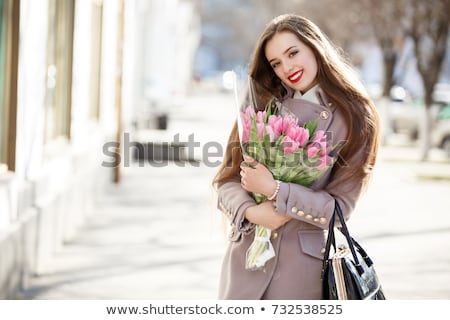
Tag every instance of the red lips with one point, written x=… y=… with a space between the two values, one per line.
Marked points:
x=296 y=76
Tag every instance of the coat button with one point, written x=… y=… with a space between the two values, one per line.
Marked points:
x=274 y=235
x=294 y=210
x=308 y=217
x=300 y=213
x=322 y=250
x=322 y=220
x=324 y=115
x=316 y=219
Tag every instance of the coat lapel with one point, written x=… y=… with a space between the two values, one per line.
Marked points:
x=306 y=110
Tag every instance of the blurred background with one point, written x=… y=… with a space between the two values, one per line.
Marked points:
x=114 y=116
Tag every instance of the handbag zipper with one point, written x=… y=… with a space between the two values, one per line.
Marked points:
x=339 y=274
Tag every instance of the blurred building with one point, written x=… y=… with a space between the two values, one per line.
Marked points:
x=74 y=75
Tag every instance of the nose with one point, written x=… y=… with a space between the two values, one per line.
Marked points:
x=287 y=66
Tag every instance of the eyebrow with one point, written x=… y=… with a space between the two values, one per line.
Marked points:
x=270 y=61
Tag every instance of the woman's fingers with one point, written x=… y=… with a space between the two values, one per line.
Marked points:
x=250 y=162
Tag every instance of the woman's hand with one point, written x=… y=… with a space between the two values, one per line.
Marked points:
x=265 y=215
x=255 y=177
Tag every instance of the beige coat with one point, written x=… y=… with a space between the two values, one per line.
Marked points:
x=295 y=271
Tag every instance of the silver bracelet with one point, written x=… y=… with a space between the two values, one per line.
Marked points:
x=274 y=195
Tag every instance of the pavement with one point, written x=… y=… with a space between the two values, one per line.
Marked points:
x=158 y=235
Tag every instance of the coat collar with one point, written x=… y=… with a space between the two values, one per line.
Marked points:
x=310 y=95
x=306 y=110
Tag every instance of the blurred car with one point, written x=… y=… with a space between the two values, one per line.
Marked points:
x=403 y=113
x=441 y=132
x=440 y=135
x=441 y=93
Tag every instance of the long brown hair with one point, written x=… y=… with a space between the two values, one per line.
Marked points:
x=340 y=83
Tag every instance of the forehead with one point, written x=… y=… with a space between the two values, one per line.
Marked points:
x=281 y=42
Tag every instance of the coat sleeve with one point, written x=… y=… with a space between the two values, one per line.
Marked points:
x=315 y=206
x=233 y=201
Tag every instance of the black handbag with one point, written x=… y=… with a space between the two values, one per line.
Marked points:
x=349 y=273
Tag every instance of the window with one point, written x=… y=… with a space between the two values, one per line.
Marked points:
x=59 y=69
x=96 y=53
x=9 y=47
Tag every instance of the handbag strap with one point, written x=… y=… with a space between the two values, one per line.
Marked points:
x=331 y=239
x=363 y=253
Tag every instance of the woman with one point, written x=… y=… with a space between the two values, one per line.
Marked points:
x=300 y=66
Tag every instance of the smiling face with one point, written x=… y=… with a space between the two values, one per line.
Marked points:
x=292 y=61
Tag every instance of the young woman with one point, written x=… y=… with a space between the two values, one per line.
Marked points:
x=300 y=66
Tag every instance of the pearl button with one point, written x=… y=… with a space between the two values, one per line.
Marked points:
x=308 y=217
x=324 y=115
x=322 y=220
x=300 y=213
x=294 y=209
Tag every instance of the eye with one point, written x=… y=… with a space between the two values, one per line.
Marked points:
x=293 y=53
x=276 y=64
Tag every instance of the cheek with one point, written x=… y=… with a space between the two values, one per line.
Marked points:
x=314 y=71
x=279 y=73
x=313 y=65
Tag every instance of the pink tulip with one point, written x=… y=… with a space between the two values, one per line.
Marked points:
x=289 y=145
x=246 y=127
x=303 y=136
x=291 y=132
x=319 y=136
x=249 y=112
x=325 y=161
x=271 y=133
x=299 y=134
x=320 y=139
x=260 y=116
x=247 y=119
x=276 y=123
x=312 y=150
x=245 y=135
x=289 y=121
x=259 y=130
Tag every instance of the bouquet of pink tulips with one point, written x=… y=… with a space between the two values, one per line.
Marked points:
x=292 y=153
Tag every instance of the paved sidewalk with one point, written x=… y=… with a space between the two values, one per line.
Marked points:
x=157 y=235
x=403 y=222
